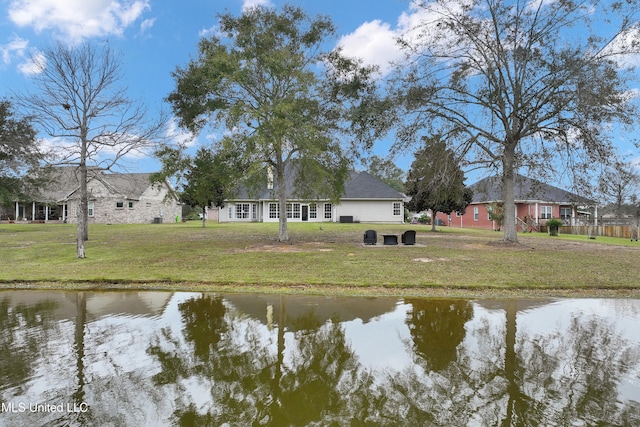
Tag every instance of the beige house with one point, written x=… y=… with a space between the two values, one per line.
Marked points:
x=114 y=198
x=365 y=199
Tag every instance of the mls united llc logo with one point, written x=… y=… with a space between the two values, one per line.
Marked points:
x=43 y=407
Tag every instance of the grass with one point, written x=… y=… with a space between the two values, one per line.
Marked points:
x=331 y=259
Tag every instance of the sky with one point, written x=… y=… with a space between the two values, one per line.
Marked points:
x=156 y=36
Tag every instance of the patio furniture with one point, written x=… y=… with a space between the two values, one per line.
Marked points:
x=370 y=237
x=409 y=237
x=390 y=239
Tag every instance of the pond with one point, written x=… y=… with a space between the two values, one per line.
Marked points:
x=162 y=358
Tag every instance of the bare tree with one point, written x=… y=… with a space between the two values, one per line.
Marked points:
x=619 y=184
x=518 y=84
x=78 y=100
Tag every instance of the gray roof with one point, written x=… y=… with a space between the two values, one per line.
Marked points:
x=362 y=185
x=526 y=190
x=358 y=186
x=64 y=182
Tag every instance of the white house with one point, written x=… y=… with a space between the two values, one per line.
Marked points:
x=365 y=199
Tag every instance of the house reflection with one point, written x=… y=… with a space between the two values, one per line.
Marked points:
x=98 y=304
x=305 y=312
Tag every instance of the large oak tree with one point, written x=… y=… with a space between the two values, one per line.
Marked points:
x=520 y=84
x=283 y=101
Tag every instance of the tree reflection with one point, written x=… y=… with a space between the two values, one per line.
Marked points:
x=23 y=331
x=569 y=377
x=437 y=329
x=252 y=385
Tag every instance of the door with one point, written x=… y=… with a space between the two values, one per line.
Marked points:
x=305 y=212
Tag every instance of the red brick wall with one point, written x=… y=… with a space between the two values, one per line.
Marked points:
x=468 y=220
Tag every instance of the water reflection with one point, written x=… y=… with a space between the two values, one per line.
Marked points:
x=145 y=358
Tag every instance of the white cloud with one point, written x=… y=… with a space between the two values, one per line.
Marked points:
x=34 y=65
x=32 y=60
x=206 y=32
x=178 y=135
x=75 y=20
x=373 y=42
x=376 y=43
x=16 y=47
x=146 y=25
x=248 y=4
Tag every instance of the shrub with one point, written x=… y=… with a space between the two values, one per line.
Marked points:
x=553 y=225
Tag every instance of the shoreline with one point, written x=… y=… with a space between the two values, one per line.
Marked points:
x=331 y=290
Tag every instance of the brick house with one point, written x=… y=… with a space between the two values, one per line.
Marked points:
x=114 y=198
x=536 y=202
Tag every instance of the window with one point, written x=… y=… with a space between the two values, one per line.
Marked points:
x=476 y=213
x=546 y=212
x=565 y=213
x=243 y=210
x=274 y=211
x=90 y=206
x=130 y=205
x=327 y=210
x=397 y=208
x=313 y=211
x=120 y=205
x=293 y=210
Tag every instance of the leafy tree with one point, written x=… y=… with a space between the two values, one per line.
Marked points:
x=282 y=100
x=436 y=181
x=18 y=154
x=209 y=180
x=387 y=171
x=520 y=84
x=205 y=179
x=496 y=213
x=78 y=100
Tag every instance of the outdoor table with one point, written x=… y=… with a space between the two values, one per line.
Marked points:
x=390 y=239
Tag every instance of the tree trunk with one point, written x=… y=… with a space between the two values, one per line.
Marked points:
x=83 y=215
x=433 y=220
x=283 y=232
x=508 y=194
x=204 y=216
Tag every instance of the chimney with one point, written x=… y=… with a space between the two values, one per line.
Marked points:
x=269 y=178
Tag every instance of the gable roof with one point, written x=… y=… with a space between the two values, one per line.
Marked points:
x=526 y=190
x=359 y=185
x=363 y=185
x=64 y=182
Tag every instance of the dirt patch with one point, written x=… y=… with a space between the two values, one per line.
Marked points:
x=431 y=259
x=284 y=248
x=517 y=246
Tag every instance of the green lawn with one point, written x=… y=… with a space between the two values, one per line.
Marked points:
x=248 y=256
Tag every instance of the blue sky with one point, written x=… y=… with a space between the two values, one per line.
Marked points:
x=155 y=36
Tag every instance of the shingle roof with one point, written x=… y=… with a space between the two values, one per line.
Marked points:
x=64 y=182
x=129 y=185
x=362 y=185
x=359 y=185
x=526 y=190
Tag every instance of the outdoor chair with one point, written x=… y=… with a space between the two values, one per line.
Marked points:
x=370 y=237
x=409 y=237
